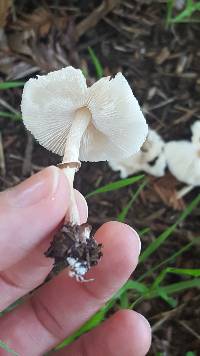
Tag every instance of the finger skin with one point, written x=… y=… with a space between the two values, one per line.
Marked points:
x=31 y=270
x=126 y=333
x=29 y=212
x=63 y=305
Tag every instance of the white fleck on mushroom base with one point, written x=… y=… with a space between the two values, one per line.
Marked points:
x=77 y=269
x=99 y=123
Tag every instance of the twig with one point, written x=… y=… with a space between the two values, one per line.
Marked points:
x=163 y=317
x=190 y=330
x=8 y=106
x=26 y=167
x=91 y=21
x=184 y=191
x=35 y=167
x=2 y=158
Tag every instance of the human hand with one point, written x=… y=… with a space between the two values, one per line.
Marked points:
x=29 y=213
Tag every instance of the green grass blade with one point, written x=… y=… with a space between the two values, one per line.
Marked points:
x=190 y=353
x=94 y=321
x=138 y=287
x=179 y=271
x=169 y=259
x=98 y=67
x=12 y=306
x=124 y=301
x=168 y=290
x=15 y=117
x=122 y=215
x=163 y=292
x=141 y=288
x=169 y=10
x=159 y=279
x=194 y=272
x=115 y=185
x=169 y=300
x=97 y=318
x=144 y=231
x=163 y=237
x=175 y=288
x=7 y=348
x=11 y=85
x=185 y=15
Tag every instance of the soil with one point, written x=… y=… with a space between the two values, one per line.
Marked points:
x=162 y=64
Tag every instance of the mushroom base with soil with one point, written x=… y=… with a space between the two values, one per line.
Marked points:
x=74 y=247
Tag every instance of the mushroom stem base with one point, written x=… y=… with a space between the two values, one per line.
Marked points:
x=74 y=247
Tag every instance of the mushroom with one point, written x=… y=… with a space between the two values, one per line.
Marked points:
x=81 y=123
x=150 y=158
x=99 y=123
x=195 y=128
x=183 y=159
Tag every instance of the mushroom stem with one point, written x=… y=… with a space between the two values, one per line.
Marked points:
x=72 y=147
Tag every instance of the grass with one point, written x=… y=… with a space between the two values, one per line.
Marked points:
x=186 y=14
x=110 y=187
x=96 y=63
x=10 y=85
x=122 y=215
x=161 y=239
x=7 y=114
x=8 y=349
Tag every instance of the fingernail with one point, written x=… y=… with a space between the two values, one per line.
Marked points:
x=146 y=322
x=137 y=237
x=82 y=206
x=41 y=186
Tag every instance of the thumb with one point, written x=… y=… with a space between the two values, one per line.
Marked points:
x=31 y=211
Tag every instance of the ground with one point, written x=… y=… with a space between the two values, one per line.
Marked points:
x=162 y=65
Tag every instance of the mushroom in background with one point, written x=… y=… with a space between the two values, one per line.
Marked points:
x=150 y=158
x=183 y=159
x=195 y=128
x=102 y=122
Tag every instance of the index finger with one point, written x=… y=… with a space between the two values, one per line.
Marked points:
x=29 y=212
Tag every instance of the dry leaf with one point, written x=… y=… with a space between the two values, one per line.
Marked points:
x=4 y=9
x=163 y=56
x=41 y=21
x=166 y=189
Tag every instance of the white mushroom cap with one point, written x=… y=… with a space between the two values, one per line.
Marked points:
x=151 y=150
x=195 y=128
x=117 y=128
x=183 y=161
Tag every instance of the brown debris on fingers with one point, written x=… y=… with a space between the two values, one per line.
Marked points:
x=74 y=247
